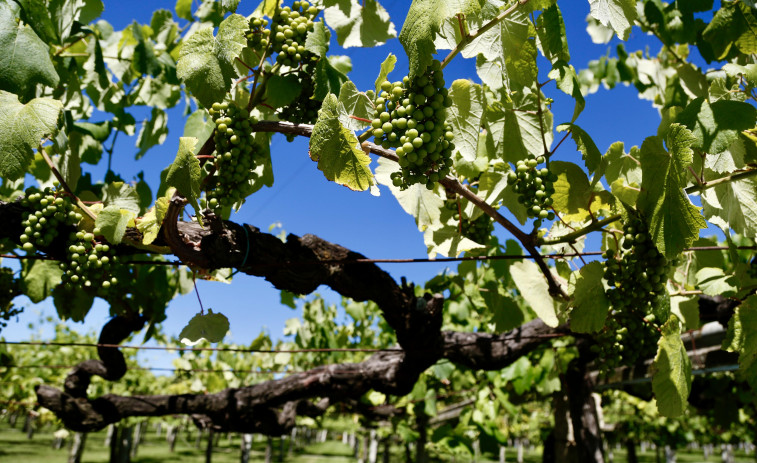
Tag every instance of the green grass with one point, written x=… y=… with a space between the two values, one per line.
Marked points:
x=14 y=446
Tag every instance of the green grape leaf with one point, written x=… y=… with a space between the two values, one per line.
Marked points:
x=386 y=68
x=424 y=21
x=185 y=173
x=24 y=57
x=199 y=125
x=733 y=205
x=671 y=382
x=584 y=144
x=687 y=310
x=518 y=134
x=123 y=195
x=112 y=222
x=144 y=60
x=153 y=132
x=590 y=304
x=282 y=90
x=212 y=327
x=354 y=106
x=360 y=24
x=337 y=151
x=206 y=63
x=151 y=222
x=39 y=278
x=72 y=303
x=22 y=127
x=465 y=116
x=447 y=241
x=618 y=15
x=572 y=195
x=717 y=125
x=741 y=337
x=732 y=29
x=550 y=29
x=317 y=40
x=567 y=80
x=267 y=8
x=534 y=288
x=327 y=79
x=184 y=9
x=38 y=17
x=417 y=200
x=674 y=222
x=714 y=282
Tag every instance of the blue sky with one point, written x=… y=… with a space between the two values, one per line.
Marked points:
x=303 y=201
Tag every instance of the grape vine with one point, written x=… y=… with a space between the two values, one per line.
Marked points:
x=411 y=117
x=478 y=230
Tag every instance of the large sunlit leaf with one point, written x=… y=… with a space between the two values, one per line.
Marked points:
x=590 y=304
x=22 y=128
x=185 y=173
x=337 y=151
x=733 y=205
x=465 y=117
x=674 y=222
x=211 y=327
x=24 y=57
x=417 y=200
x=618 y=15
x=533 y=286
x=206 y=63
x=359 y=24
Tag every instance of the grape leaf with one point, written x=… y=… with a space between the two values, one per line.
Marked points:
x=590 y=304
x=212 y=327
x=153 y=132
x=534 y=288
x=716 y=126
x=112 y=222
x=24 y=57
x=733 y=205
x=151 y=222
x=185 y=173
x=447 y=241
x=337 y=151
x=317 y=40
x=423 y=22
x=465 y=117
x=200 y=126
x=741 y=337
x=618 y=15
x=354 y=103
x=671 y=382
x=550 y=29
x=39 y=278
x=591 y=155
x=674 y=222
x=360 y=24
x=714 y=282
x=327 y=79
x=22 y=127
x=72 y=303
x=386 y=68
x=121 y=194
x=417 y=200
x=567 y=80
x=206 y=63
x=572 y=194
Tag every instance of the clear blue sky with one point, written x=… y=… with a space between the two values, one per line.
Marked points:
x=303 y=201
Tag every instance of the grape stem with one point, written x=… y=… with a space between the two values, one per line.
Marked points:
x=65 y=186
x=468 y=38
x=573 y=236
x=729 y=178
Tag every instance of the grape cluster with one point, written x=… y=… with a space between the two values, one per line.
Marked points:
x=637 y=276
x=89 y=263
x=290 y=27
x=9 y=289
x=236 y=154
x=411 y=117
x=258 y=35
x=534 y=187
x=50 y=211
x=478 y=230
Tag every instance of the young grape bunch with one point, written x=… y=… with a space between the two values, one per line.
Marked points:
x=49 y=212
x=89 y=264
x=636 y=274
x=478 y=230
x=411 y=117
x=258 y=35
x=304 y=109
x=236 y=155
x=534 y=186
x=289 y=30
